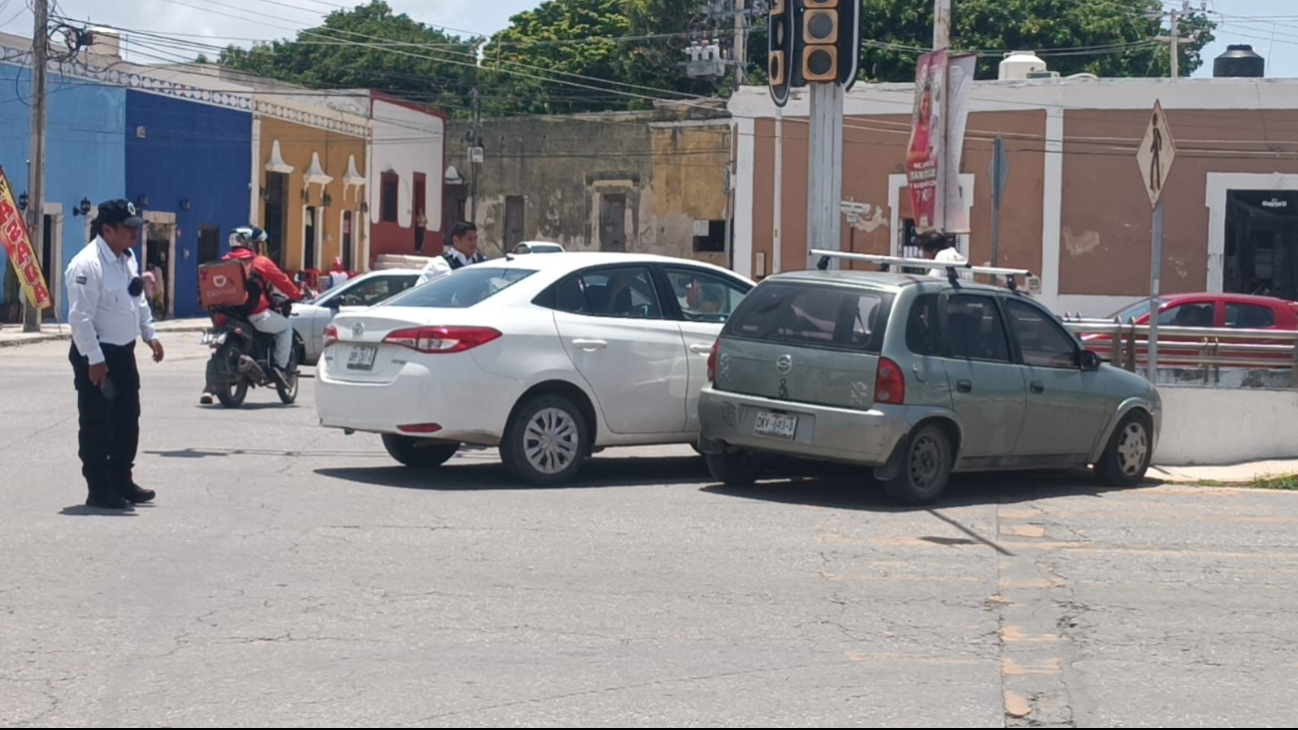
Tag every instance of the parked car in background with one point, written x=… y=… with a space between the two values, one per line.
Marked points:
x=1205 y=311
x=547 y=357
x=311 y=317
x=914 y=377
x=1234 y=311
x=527 y=247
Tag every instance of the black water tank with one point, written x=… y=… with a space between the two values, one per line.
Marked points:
x=1239 y=62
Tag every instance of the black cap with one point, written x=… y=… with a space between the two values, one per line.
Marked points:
x=120 y=213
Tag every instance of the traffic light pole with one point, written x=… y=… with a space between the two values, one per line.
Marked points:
x=825 y=168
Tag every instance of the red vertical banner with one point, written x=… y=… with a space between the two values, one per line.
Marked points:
x=924 y=154
x=13 y=235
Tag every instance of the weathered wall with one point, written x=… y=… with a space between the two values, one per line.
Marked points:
x=672 y=170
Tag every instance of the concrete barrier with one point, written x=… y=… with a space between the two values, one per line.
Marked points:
x=1226 y=425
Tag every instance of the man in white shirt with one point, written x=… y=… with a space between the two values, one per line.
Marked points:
x=939 y=247
x=108 y=312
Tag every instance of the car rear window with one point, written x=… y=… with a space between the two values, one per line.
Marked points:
x=813 y=315
x=462 y=289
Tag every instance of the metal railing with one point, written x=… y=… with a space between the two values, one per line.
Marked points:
x=1192 y=348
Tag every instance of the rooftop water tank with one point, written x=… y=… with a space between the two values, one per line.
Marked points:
x=1019 y=65
x=1239 y=62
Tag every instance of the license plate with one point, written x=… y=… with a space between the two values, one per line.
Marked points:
x=776 y=426
x=212 y=338
x=362 y=357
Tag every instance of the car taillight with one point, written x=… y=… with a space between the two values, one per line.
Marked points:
x=442 y=340
x=889 y=383
x=220 y=320
x=330 y=335
x=712 y=362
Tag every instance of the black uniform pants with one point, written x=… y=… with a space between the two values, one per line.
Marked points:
x=110 y=427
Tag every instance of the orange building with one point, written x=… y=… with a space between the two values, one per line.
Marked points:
x=311 y=198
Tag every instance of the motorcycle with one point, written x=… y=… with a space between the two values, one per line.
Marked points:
x=241 y=359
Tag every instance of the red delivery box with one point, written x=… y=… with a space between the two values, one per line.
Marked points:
x=222 y=284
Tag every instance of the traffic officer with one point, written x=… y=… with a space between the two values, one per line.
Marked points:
x=108 y=312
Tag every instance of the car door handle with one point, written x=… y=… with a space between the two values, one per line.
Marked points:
x=964 y=386
x=590 y=345
x=701 y=349
x=1038 y=387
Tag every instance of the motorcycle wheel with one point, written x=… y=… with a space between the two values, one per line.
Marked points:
x=232 y=393
x=288 y=396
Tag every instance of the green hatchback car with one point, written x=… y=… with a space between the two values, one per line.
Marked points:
x=916 y=377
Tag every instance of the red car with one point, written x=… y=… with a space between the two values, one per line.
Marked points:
x=1233 y=311
x=1226 y=311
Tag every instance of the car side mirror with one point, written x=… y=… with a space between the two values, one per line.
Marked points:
x=1090 y=361
x=336 y=303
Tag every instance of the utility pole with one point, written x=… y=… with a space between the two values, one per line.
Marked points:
x=942 y=41
x=1173 y=38
x=475 y=155
x=741 y=42
x=36 y=170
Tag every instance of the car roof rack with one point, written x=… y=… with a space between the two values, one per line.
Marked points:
x=952 y=270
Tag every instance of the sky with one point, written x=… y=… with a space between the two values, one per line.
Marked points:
x=1270 y=26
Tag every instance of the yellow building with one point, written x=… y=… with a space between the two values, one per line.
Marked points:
x=311 y=197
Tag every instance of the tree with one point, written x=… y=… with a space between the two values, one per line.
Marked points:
x=371 y=47
x=625 y=49
x=1103 y=37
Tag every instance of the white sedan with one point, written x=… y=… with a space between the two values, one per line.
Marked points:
x=547 y=357
x=310 y=318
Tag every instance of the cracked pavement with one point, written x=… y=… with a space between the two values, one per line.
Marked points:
x=293 y=576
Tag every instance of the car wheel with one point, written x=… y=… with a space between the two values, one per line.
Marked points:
x=546 y=441
x=925 y=470
x=1127 y=457
x=419 y=453
x=733 y=468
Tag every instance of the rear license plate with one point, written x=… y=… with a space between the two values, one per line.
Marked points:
x=776 y=426
x=212 y=338
x=362 y=357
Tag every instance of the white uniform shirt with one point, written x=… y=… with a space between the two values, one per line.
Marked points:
x=100 y=307
x=949 y=256
x=436 y=269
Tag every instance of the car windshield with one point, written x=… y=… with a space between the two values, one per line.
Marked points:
x=462 y=289
x=1133 y=311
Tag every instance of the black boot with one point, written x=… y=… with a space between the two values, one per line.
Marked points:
x=109 y=502
x=134 y=493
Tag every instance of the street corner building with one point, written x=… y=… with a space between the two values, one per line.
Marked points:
x=653 y=181
x=201 y=150
x=1075 y=210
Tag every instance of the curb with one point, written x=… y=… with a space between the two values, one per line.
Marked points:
x=37 y=339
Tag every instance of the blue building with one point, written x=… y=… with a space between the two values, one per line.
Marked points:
x=189 y=167
x=86 y=159
x=181 y=150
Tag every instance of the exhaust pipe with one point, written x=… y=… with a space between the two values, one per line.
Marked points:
x=249 y=367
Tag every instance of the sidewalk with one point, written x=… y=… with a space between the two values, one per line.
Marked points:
x=1237 y=475
x=13 y=335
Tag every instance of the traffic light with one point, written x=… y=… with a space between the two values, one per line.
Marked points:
x=780 y=50
x=830 y=42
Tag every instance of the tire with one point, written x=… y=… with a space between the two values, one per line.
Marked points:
x=288 y=396
x=546 y=441
x=419 y=453
x=925 y=469
x=232 y=393
x=733 y=469
x=231 y=389
x=1127 y=456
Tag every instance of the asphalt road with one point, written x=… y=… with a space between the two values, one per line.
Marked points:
x=293 y=576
